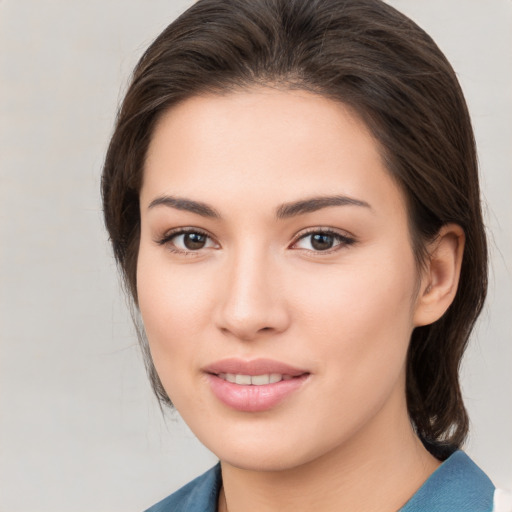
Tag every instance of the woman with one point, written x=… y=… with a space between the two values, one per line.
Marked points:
x=292 y=195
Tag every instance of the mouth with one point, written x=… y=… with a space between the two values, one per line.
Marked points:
x=254 y=386
x=254 y=380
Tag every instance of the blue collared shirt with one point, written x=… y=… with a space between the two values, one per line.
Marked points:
x=458 y=485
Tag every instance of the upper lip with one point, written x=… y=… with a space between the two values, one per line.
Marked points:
x=252 y=367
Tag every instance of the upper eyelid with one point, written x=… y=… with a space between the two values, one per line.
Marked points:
x=324 y=230
x=186 y=229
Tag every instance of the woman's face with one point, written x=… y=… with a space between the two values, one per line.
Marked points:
x=275 y=253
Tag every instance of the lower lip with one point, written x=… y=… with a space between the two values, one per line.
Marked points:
x=254 y=398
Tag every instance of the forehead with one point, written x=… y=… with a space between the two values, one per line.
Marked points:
x=268 y=145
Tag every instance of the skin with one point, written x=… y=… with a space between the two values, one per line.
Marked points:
x=259 y=288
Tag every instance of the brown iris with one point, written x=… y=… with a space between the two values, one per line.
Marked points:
x=322 y=241
x=194 y=241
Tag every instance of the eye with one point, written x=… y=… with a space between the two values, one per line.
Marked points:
x=322 y=241
x=186 y=241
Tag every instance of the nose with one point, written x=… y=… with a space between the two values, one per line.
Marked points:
x=252 y=300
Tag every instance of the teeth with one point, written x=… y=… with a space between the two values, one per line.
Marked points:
x=243 y=379
x=254 y=380
x=259 y=380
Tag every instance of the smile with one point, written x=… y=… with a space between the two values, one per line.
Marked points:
x=254 y=386
x=254 y=380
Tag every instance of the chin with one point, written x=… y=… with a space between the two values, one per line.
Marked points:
x=266 y=454
x=259 y=462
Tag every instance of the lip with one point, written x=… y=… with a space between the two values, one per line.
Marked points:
x=253 y=367
x=250 y=398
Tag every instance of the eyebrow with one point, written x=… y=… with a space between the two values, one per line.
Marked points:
x=316 y=203
x=284 y=211
x=185 y=204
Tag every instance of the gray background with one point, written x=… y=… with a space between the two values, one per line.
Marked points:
x=79 y=428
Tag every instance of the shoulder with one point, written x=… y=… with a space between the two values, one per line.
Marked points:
x=199 y=495
x=458 y=484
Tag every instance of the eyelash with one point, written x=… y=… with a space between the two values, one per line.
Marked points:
x=167 y=239
x=342 y=240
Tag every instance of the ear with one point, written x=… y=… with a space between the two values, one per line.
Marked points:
x=440 y=277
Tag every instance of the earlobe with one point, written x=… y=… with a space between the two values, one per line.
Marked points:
x=440 y=277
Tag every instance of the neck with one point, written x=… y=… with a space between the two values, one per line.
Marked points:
x=378 y=471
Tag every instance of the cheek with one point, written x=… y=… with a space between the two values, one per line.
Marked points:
x=174 y=304
x=361 y=293
x=360 y=323
x=174 y=307
x=361 y=317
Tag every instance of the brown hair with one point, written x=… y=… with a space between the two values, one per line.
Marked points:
x=369 y=56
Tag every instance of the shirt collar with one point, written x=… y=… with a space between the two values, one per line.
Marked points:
x=457 y=485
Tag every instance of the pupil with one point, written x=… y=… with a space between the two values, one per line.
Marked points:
x=194 y=241
x=322 y=242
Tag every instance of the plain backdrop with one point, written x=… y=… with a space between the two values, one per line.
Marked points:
x=79 y=427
